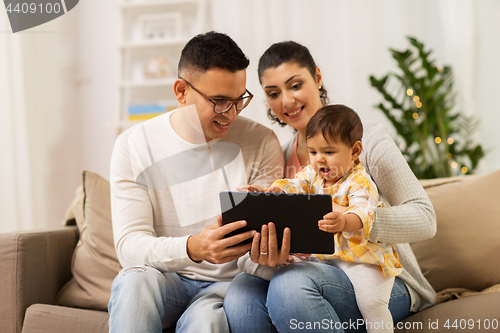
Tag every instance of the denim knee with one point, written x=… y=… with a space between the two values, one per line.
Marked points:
x=291 y=279
x=245 y=293
x=245 y=305
x=136 y=302
x=306 y=284
x=304 y=275
x=137 y=281
x=134 y=274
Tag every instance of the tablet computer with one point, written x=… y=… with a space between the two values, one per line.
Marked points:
x=299 y=212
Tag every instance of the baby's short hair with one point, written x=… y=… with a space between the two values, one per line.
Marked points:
x=336 y=123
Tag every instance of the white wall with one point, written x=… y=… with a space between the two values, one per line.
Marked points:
x=350 y=39
x=486 y=85
x=47 y=64
x=71 y=70
x=98 y=39
x=69 y=83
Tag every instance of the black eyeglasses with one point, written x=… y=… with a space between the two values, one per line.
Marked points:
x=223 y=105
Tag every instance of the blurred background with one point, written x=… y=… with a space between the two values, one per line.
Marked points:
x=70 y=86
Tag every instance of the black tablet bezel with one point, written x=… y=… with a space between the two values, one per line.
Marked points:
x=299 y=212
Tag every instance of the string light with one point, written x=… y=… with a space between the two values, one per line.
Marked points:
x=415 y=115
x=450 y=141
x=464 y=170
x=419 y=105
x=409 y=92
x=440 y=69
x=448 y=156
x=454 y=165
x=416 y=99
x=437 y=139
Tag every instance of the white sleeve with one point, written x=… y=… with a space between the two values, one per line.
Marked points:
x=132 y=220
x=246 y=265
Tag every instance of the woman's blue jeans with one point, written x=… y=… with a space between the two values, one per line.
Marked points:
x=302 y=297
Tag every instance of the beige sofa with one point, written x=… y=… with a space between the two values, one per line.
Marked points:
x=58 y=280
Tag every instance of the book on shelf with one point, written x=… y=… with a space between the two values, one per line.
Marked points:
x=140 y=112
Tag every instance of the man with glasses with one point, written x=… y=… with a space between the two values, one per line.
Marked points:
x=166 y=174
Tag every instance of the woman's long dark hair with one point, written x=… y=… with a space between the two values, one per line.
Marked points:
x=284 y=52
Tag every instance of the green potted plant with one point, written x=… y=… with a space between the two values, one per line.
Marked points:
x=419 y=101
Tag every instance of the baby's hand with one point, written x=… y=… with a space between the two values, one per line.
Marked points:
x=299 y=257
x=251 y=188
x=332 y=222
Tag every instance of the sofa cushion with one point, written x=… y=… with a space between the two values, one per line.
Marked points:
x=461 y=315
x=95 y=263
x=464 y=252
x=456 y=293
x=74 y=214
x=42 y=318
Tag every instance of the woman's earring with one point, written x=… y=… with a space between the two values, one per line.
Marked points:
x=319 y=87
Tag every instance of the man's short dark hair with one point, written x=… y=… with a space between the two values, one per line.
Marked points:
x=212 y=50
x=336 y=123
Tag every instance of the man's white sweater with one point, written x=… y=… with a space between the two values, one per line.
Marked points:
x=164 y=189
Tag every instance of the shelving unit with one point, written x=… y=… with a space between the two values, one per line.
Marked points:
x=132 y=45
x=148 y=83
x=153 y=35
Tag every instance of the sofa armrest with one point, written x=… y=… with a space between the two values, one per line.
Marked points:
x=34 y=267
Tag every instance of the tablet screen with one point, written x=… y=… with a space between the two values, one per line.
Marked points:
x=299 y=212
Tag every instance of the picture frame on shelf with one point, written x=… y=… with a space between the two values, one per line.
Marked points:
x=156 y=68
x=153 y=33
x=160 y=27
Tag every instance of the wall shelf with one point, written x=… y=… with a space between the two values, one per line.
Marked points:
x=153 y=33
x=152 y=3
x=148 y=83
x=153 y=43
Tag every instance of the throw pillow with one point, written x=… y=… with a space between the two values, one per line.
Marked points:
x=95 y=264
x=463 y=254
x=74 y=214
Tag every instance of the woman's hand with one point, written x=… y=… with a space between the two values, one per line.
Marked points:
x=264 y=249
x=251 y=188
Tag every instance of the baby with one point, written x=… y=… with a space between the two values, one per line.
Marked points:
x=333 y=137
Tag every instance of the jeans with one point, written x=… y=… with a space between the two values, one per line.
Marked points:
x=302 y=297
x=144 y=299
